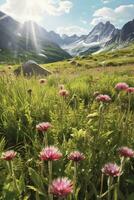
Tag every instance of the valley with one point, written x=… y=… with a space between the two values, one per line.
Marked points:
x=66 y=100
x=30 y=41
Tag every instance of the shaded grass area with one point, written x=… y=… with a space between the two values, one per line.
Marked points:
x=49 y=54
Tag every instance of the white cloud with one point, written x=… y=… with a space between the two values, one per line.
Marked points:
x=71 y=30
x=23 y=10
x=61 y=8
x=106 y=1
x=118 y=16
x=83 y=21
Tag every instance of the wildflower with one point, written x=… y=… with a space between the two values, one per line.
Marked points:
x=130 y=90
x=121 y=86
x=61 y=87
x=9 y=67
x=95 y=94
x=9 y=155
x=103 y=98
x=111 y=169
x=29 y=91
x=61 y=187
x=42 y=81
x=126 y=152
x=50 y=154
x=44 y=126
x=76 y=156
x=63 y=93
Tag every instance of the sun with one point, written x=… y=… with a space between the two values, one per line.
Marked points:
x=34 y=10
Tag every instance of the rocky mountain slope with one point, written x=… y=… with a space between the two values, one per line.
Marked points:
x=126 y=34
x=29 y=40
x=32 y=40
x=102 y=37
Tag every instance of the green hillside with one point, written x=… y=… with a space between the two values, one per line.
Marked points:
x=52 y=54
x=114 y=58
x=78 y=121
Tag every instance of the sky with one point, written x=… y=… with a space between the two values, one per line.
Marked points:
x=70 y=16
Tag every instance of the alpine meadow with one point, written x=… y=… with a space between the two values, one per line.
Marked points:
x=66 y=100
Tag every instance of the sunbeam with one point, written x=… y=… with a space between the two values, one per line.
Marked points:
x=28 y=27
x=34 y=37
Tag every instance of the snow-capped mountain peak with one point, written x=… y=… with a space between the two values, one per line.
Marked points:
x=97 y=37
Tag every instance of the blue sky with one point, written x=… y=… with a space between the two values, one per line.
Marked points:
x=70 y=16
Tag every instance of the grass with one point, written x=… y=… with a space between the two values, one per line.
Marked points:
x=52 y=54
x=75 y=126
x=122 y=57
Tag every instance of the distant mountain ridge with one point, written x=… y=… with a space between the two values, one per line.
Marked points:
x=31 y=40
x=101 y=32
x=126 y=34
x=102 y=36
x=97 y=37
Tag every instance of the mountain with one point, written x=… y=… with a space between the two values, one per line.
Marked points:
x=101 y=37
x=28 y=41
x=66 y=40
x=126 y=34
x=8 y=33
x=94 y=41
x=55 y=37
x=62 y=40
x=43 y=34
x=101 y=33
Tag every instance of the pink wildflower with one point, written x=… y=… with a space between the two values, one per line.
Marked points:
x=63 y=93
x=126 y=152
x=61 y=187
x=121 y=86
x=103 y=98
x=130 y=90
x=111 y=169
x=9 y=155
x=76 y=156
x=44 y=126
x=50 y=154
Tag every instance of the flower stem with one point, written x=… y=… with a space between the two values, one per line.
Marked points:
x=50 y=179
x=116 y=192
x=11 y=168
x=100 y=117
x=60 y=198
x=129 y=103
x=121 y=169
x=109 y=187
x=126 y=120
x=42 y=168
x=37 y=196
x=45 y=140
x=102 y=179
x=75 y=178
x=104 y=194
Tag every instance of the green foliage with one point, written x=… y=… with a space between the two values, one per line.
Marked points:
x=119 y=57
x=75 y=126
x=53 y=53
